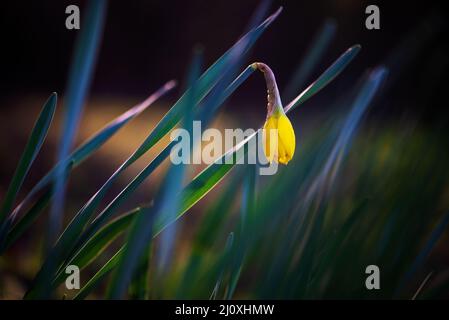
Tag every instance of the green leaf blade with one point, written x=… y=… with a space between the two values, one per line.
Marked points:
x=34 y=144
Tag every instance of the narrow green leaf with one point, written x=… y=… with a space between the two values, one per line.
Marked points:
x=99 y=242
x=32 y=293
x=330 y=74
x=80 y=76
x=139 y=287
x=247 y=208
x=24 y=224
x=100 y=275
x=140 y=237
x=141 y=234
x=112 y=207
x=234 y=278
x=32 y=148
x=224 y=264
x=86 y=150
x=20 y=227
x=209 y=228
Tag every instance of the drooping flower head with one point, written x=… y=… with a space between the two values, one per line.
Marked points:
x=278 y=134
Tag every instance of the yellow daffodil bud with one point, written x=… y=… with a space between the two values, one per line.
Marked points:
x=279 y=138
x=278 y=134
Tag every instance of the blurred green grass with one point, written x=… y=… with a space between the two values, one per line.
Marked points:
x=391 y=192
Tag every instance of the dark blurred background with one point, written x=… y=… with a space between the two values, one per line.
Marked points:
x=148 y=42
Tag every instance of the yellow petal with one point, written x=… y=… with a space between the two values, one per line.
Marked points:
x=282 y=147
x=287 y=141
x=270 y=145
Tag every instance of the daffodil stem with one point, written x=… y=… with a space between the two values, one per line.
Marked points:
x=273 y=96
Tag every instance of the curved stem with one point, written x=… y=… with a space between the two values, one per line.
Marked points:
x=273 y=96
